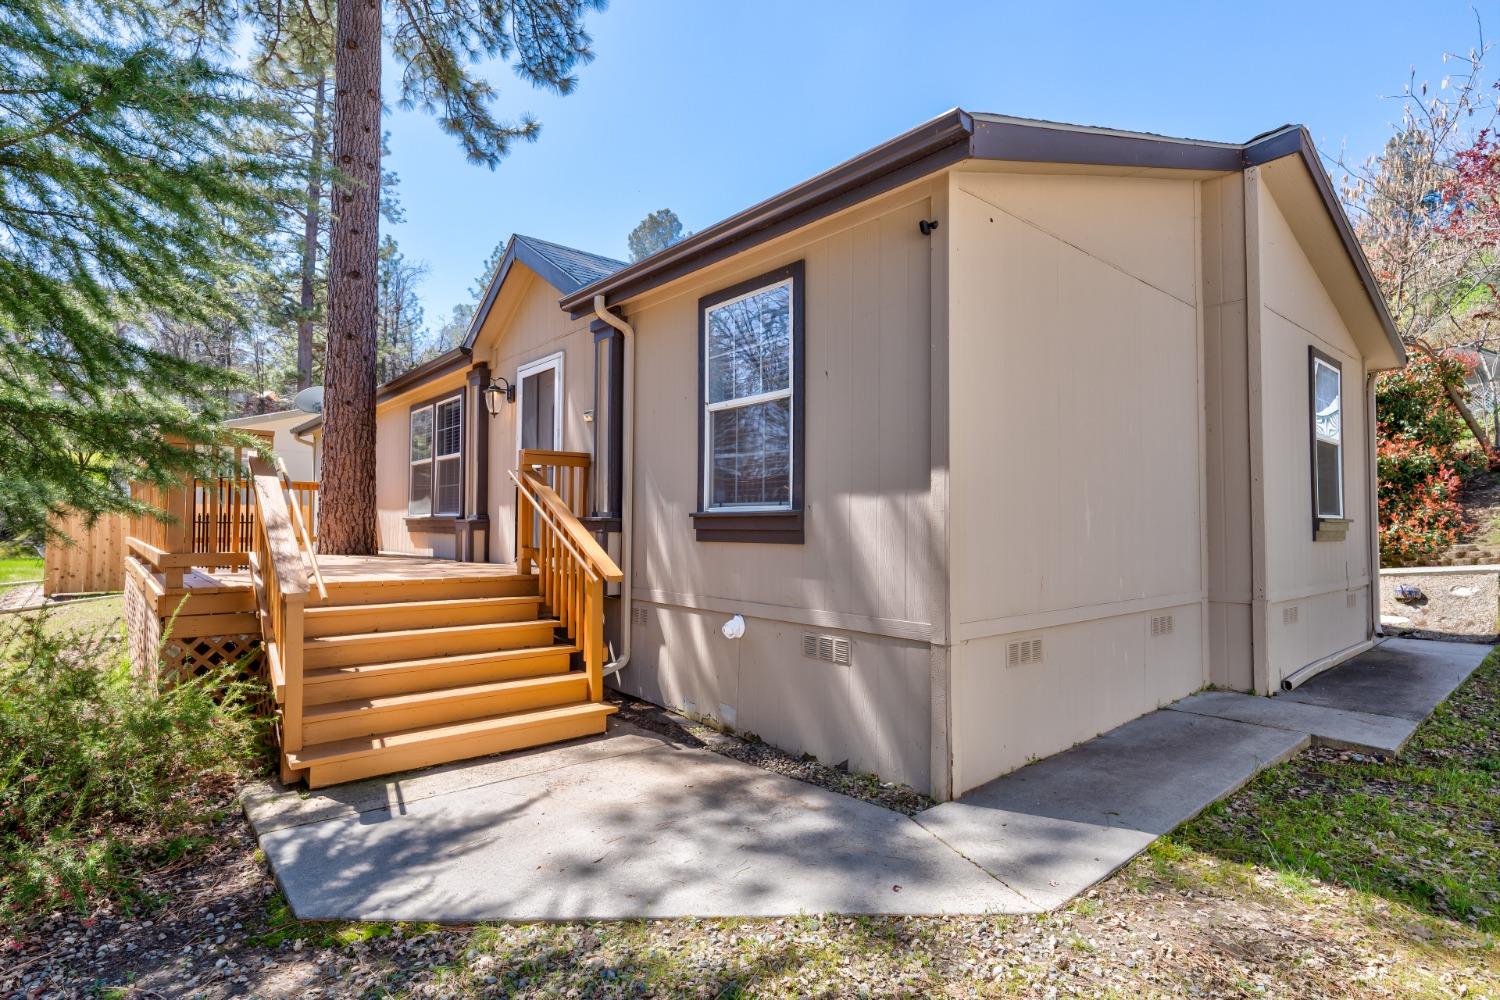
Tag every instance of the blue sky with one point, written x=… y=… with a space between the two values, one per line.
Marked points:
x=707 y=106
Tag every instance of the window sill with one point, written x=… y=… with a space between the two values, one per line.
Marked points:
x=439 y=525
x=777 y=527
x=1331 y=529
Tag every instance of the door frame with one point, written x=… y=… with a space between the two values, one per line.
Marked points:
x=554 y=362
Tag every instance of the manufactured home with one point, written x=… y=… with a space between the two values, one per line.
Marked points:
x=986 y=441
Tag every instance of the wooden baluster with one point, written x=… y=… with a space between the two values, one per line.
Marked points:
x=593 y=639
x=567 y=618
x=524 y=531
x=216 y=542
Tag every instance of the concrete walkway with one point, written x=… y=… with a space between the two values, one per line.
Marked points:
x=632 y=825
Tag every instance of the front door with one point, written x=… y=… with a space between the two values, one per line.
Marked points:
x=539 y=403
x=539 y=400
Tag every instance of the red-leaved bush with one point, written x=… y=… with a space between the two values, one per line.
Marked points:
x=1420 y=458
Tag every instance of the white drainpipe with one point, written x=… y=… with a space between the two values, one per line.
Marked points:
x=627 y=487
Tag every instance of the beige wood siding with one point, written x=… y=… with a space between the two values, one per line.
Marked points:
x=866 y=569
x=1327 y=583
x=393 y=470
x=526 y=325
x=1076 y=458
x=1227 y=428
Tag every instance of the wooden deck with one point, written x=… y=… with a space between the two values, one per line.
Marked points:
x=372 y=570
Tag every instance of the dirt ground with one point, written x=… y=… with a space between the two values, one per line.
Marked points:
x=1173 y=923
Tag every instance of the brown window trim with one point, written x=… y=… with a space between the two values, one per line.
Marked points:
x=766 y=526
x=1324 y=528
x=463 y=470
x=444 y=525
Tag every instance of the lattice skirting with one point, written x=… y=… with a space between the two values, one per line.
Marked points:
x=184 y=656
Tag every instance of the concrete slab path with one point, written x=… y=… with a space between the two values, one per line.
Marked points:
x=626 y=825
x=632 y=825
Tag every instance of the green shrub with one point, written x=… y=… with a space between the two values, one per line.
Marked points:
x=101 y=775
x=1423 y=454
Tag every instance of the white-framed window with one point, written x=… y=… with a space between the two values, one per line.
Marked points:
x=436 y=456
x=748 y=401
x=419 y=496
x=447 y=457
x=1327 y=436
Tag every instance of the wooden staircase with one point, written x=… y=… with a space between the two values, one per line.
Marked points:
x=456 y=668
x=379 y=676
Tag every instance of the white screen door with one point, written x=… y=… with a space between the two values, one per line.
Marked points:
x=539 y=401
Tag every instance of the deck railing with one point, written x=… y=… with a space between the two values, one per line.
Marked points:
x=211 y=523
x=571 y=567
x=278 y=573
x=567 y=472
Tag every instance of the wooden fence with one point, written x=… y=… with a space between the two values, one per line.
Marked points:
x=94 y=562
x=221 y=513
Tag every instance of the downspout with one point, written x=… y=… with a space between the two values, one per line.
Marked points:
x=627 y=486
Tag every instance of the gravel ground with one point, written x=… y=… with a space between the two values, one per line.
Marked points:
x=1172 y=924
x=21 y=596
x=686 y=732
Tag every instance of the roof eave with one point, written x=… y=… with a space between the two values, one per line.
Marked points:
x=1295 y=140
x=450 y=361
x=928 y=147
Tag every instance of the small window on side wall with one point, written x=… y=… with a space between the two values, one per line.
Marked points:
x=750 y=420
x=1326 y=378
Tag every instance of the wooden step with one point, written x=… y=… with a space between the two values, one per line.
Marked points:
x=349 y=619
x=366 y=756
x=420 y=588
x=372 y=680
x=406 y=644
x=343 y=720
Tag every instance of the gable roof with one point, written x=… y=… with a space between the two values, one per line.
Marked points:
x=565 y=268
x=959 y=135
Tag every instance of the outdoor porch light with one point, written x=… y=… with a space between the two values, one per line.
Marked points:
x=497 y=393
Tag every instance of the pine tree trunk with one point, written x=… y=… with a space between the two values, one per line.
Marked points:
x=347 y=514
x=312 y=220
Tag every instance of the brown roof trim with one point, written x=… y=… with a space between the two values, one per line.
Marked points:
x=997 y=137
x=446 y=363
x=1295 y=140
x=926 y=148
x=312 y=424
x=947 y=139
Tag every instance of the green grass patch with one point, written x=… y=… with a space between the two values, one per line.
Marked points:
x=1422 y=829
x=19 y=570
x=102 y=776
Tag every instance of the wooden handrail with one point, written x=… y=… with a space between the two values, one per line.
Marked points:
x=299 y=525
x=274 y=525
x=571 y=567
x=578 y=539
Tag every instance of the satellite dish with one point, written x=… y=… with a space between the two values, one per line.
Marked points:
x=310 y=400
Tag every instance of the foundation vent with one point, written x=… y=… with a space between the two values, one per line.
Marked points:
x=828 y=648
x=638 y=617
x=1289 y=615
x=1162 y=624
x=1023 y=651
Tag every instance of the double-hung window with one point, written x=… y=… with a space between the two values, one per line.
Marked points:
x=751 y=416
x=1326 y=378
x=436 y=483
